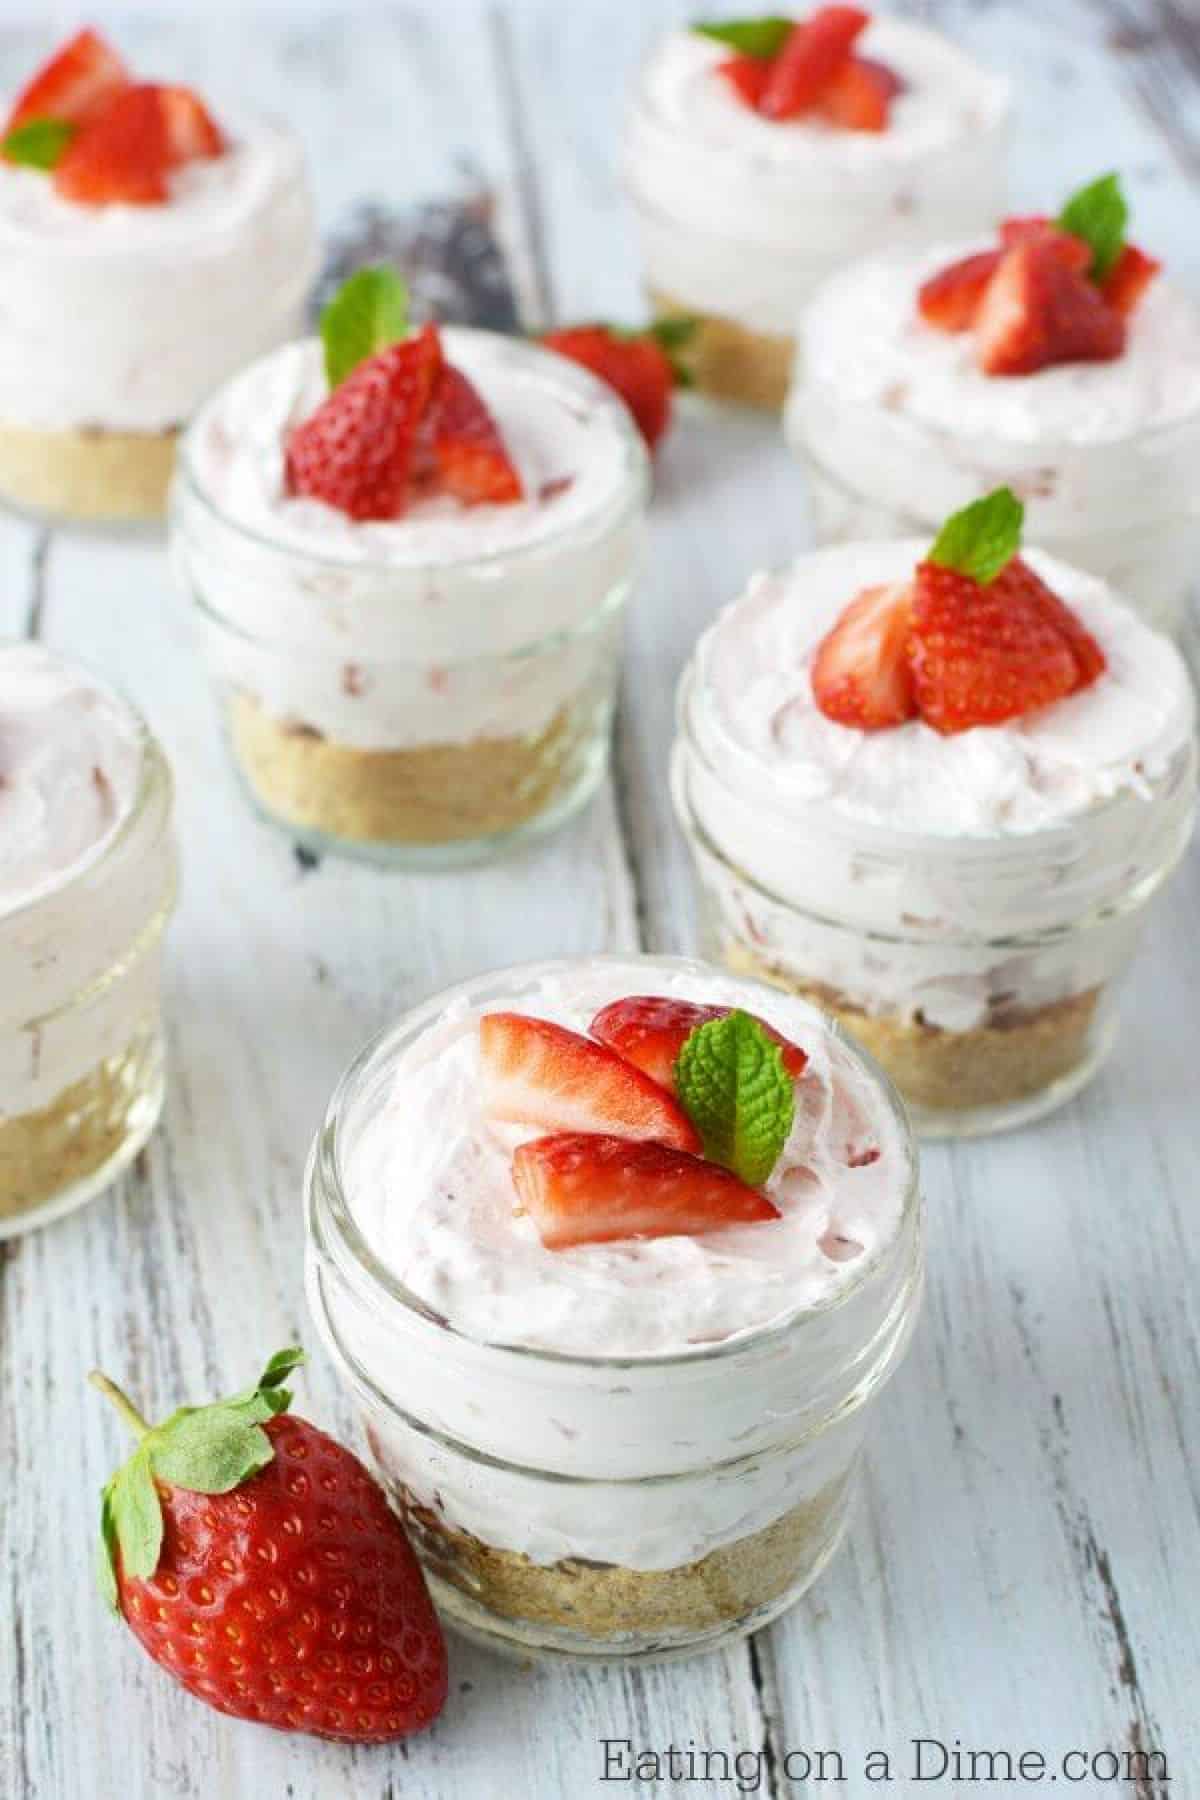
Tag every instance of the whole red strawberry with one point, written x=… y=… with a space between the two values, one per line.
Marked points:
x=259 y=1563
x=356 y=451
x=638 y=365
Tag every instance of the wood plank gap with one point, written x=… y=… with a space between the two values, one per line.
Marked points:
x=624 y=777
x=39 y=567
x=1148 y=55
x=761 y=1660
x=526 y=187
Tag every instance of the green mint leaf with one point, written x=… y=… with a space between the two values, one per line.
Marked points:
x=733 y=1085
x=368 y=312
x=106 y=1552
x=982 y=538
x=210 y=1451
x=750 y=37
x=281 y=1366
x=137 y=1515
x=1098 y=214
x=39 y=143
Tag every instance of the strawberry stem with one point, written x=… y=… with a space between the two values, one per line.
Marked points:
x=121 y=1401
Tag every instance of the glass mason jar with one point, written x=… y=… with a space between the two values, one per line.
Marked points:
x=603 y=1506
x=738 y=220
x=981 y=972
x=93 y=397
x=1125 y=508
x=81 y=1043
x=410 y=713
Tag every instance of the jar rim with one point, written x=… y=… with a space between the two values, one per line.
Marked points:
x=626 y=499
x=154 y=774
x=325 y=1190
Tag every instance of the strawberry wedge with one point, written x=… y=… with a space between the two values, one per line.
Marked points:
x=580 y=1188
x=650 y=1030
x=813 y=55
x=466 y=450
x=860 y=673
x=75 y=85
x=539 y=1073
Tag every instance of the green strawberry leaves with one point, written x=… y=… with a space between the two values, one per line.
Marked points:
x=39 y=143
x=368 y=312
x=1098 y=214
x=207 y=1449
x=981 y=539
x=732 y=1083
x=750 y=37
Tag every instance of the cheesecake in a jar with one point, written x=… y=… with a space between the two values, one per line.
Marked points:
x=410 y=578
x=1057 y=357
x=761 y=155
x=939 y=806
x=149 y=246
x=617 y=1313
x=87 y=883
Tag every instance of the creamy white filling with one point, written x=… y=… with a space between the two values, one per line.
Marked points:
x=429 y=1182
x=177 y=295
x=450 y=623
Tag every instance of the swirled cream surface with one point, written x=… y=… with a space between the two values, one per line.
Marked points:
x=428 y=1180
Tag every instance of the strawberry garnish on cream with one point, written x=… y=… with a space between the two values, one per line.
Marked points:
x=399 y=421
x=1054 y=291
x=105 y=139
x=667 y=1120
x=976 y=637
x=809 y=68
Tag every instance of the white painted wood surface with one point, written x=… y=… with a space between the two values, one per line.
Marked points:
x=1022 y=1572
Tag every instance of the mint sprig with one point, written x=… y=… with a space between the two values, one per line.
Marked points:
x=750 y=37
x=1098 y=213
x=368 y=312
x=982 y=538
x=208 y=1449
x=39 y=143
x=732 y=1083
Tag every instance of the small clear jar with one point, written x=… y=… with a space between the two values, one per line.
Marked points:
x=739 y=219
x=1123 y=507
x=981 y=972
x=663 y=1504
x=410 y=713
x=81 y=1042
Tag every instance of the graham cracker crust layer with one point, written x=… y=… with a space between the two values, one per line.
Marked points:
x=753 y=368
x=606 y=1600
x=1014 y=1056
x=92 y=474
x=44 y=1152
x=434 y=794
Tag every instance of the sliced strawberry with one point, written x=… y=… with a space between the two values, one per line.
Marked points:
x=1036 y=228
x=192 y=132
x=860 y=673
x=465 y=450
x=637 y=367
x=650 y=1031
x=539 y=1073
x=859 y=96
x=1128 y=279
x=76 y=84
x=811 y=56
x=1018 y=584
x=747 y=76
x=355 y=452
x=1037 y=311
x=979 y=655
x=120 y=158
x=584 y=1189
x=950 y=299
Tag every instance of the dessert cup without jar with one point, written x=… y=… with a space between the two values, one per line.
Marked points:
x=428 y=689
x=897 y=428
x=87 y=883
x=635 y=1449
x=740 y=217
x=178 y=296
x=964 y=905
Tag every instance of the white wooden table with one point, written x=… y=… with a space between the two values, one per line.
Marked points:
x=1022 y=1570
